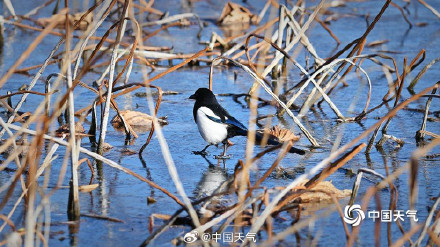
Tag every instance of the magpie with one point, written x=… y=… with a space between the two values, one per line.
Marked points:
x=216 y=125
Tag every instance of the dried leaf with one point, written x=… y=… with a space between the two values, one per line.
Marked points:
x=150 y=200
x=161 y=216
x=64 y=129
x=126 y=151
x=22 y=118
x=106 y=147
x=234 y=13
x=377 y=43
x=72 y=19
x=87 y=188
x=326 y=186
x=281 y=134
x=421 y=24
x=137 y=120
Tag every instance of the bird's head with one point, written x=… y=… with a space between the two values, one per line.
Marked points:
x=203 y=95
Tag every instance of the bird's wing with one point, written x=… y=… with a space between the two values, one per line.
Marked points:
x=227 y=118
x=209 y=113
x=228 y=121
x=232 y=121
x=218 y=114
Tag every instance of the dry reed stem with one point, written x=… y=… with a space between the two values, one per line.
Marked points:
x=43 y=67
x=275 y=61
x=334 y=167
x=10 y=7
x=170 y=164
x=268 y=90
x=130 y=60
x=421 y=134
x=427 y=223
x=286 y=147
x=421 y=73
x=92 y=29
x=434 y=11
x=18 y=172
x=403 y=14
x=35 y=10
x=156 y=109
x=241 y=43
x=145 y=8
x=146 y=82
x=174 y=18
x=119 y=35
x=73 y=204
x=30 y=48
x=407 y=236
x=328 y=30
x=419 y=152
x=261 y=219
x=299 y=225
x=233 y=212
x=98 y=157
x=326 y=69
x=360 y=41
x=327 y=99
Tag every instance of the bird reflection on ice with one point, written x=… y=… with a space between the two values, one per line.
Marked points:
x=214 y=180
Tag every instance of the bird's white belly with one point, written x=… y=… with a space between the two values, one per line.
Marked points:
x=211 y=131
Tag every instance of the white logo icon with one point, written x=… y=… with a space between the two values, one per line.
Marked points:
x=349 y=214
x=190 y=237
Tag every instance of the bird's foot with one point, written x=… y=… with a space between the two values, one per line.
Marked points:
x=203 y=153
x=222 y=157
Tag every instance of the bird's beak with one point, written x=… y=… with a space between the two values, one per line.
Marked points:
x=192 y=96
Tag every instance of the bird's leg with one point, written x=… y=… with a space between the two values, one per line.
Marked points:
x=223 y=155
x=203 y=152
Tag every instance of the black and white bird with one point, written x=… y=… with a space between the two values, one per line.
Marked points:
x=216 y=125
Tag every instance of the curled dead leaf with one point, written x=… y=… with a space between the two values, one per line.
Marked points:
x=139 y=121
x=377 y=43
x=280 y=134
x=106 y=147
x=127 y=151
x=21 y=118
x=64 y=129
x=151 y=200
x=87 y=188
x=320 y=193
x=234 y=13
x=72 y=19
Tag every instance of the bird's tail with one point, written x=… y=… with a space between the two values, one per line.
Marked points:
x=273 y=141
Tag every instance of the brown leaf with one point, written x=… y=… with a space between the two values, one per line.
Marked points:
x=281 y=134
x=64 y=129
x=106 y=147
x=326 y=186
x=234 y=13
x=161 y=216
x=87 y=188
x=150 y=200
x=126 y=151
x=22 y=118
x=72 y=19
x=137 y=120
x=377 y=42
